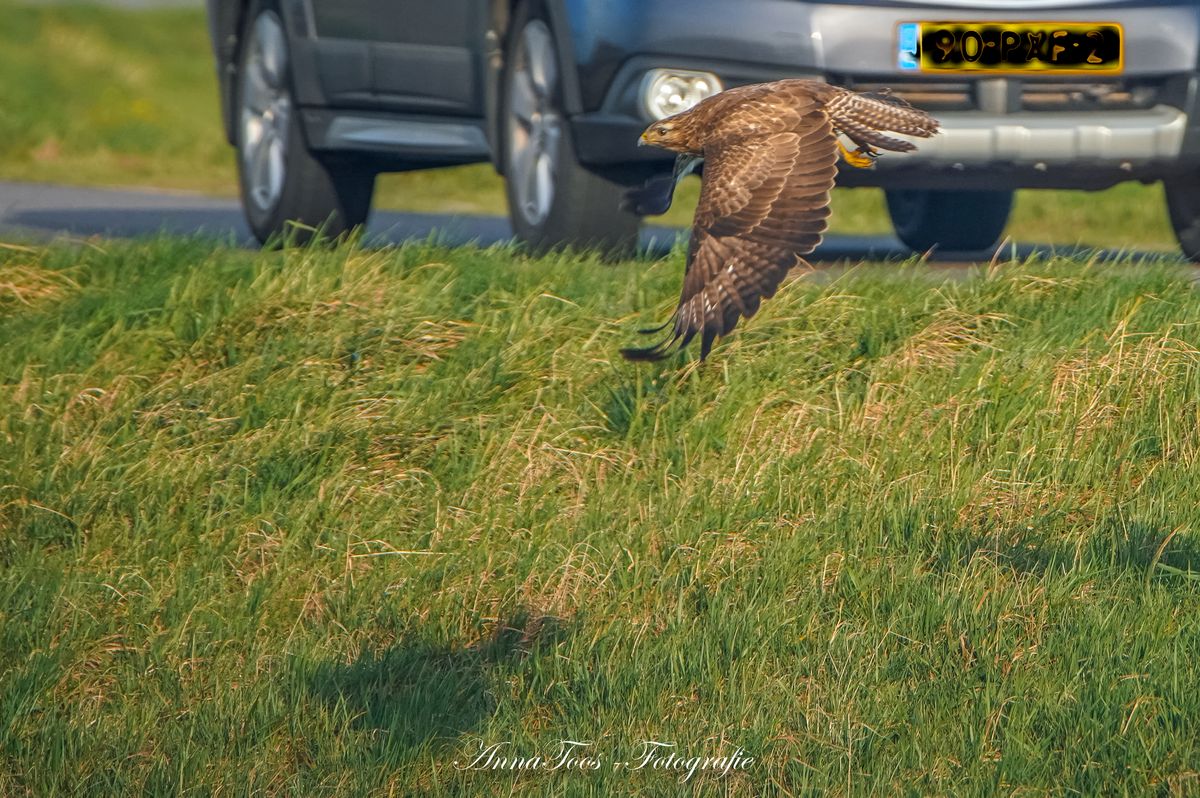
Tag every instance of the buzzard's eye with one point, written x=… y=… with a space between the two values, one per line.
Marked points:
x=661 y=130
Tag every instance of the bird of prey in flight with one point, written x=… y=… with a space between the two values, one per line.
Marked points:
x=770 y=154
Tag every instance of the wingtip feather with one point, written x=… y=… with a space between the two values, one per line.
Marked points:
x=658 y=329
x=647 y=354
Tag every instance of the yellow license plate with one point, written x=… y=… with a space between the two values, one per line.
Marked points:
x=1061 y=48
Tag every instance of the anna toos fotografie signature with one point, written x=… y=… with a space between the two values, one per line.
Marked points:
x=584 y=757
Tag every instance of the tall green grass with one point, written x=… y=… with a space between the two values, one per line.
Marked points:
x=320 y=522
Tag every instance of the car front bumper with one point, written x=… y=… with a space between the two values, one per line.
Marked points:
x=1118 y=137
x=983 y=150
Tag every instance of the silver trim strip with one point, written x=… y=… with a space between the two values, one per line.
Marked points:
x=1134 y=137
x=401 y=134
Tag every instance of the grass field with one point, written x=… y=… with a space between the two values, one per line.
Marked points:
x=320 y=522
x=116 y=97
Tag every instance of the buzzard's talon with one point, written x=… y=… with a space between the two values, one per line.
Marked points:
x=651 y=199
x=861 y=158
x=654 y=198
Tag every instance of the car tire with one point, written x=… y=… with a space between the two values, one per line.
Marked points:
x=949 y=220
x=553 y=200
x=288 y=194
x=1183 y=207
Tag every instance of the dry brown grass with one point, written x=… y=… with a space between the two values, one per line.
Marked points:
x=25 y=285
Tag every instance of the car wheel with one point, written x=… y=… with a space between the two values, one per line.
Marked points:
x=949 y=220
x=553 y=200
x=287 y=193
x=1183 y=206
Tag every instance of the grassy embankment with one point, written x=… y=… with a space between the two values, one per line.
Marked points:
x=318 y=522
x=117 y=97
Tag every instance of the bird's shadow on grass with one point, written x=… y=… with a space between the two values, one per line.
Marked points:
x=1138 y=549
x=411 y=694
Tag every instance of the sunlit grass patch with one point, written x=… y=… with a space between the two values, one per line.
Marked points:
x=27 y=284
x=321 y=520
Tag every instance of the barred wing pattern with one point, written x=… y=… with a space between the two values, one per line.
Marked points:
x=770 y=158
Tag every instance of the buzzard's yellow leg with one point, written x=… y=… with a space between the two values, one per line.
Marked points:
x=861 y=158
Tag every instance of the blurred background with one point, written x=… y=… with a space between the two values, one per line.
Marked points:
x=123 y=93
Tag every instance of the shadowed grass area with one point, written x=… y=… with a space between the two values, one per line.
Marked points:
x=322 y=521
x=120 y=97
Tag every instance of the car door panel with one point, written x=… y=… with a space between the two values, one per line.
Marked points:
x=403 y=55
x=429 y=74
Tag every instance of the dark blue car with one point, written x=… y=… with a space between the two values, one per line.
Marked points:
x=319 y=96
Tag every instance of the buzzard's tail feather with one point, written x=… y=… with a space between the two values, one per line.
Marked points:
x=867 y=138
x=865 y=117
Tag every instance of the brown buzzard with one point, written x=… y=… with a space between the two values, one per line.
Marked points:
x=770 y=155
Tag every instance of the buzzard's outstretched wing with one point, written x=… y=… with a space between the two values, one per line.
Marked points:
x=764 y=202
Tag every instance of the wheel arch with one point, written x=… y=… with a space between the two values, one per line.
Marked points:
x=563 y=16
x=227 y=18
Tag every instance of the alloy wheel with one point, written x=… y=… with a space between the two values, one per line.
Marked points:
x=265 y=112
x=534 y=122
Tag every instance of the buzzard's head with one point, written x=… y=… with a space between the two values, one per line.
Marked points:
x=670 y=134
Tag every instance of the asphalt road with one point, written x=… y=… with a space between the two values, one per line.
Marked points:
x=39 y=212
x=32 y=212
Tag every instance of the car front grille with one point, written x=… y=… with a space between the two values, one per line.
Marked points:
x=931 y=95
x=1089 y=96
x=1024 y=94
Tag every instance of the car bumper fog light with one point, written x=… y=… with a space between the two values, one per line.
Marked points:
x=666 y=92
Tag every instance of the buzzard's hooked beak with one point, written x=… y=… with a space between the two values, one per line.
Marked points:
x=642 y=140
